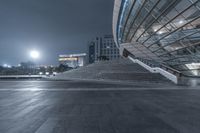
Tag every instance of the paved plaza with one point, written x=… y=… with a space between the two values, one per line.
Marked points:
x=95 y=107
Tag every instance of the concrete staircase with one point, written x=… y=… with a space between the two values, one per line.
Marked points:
x=116 y=70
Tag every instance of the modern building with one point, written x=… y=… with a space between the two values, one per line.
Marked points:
x=73 y=60
x=91 y=52
x=103 y=48
x=165 y=32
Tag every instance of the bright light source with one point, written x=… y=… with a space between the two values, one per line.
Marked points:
x=47 y=73
x=5 y=65
x=194 y=68
x=41 y=73
x=54 y=73
x=34 y=54
x=181 y=21
x=160 y=32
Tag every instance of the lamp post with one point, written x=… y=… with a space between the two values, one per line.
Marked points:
x=34 y=54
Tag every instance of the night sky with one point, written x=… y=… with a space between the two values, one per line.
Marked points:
x=51 y=26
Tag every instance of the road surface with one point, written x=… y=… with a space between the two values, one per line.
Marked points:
x=94 y=107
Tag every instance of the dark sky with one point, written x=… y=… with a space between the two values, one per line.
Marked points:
x=51 y=26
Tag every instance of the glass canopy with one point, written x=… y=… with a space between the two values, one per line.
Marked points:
x=165 y=31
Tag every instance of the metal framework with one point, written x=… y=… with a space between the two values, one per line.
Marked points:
x=163 y=31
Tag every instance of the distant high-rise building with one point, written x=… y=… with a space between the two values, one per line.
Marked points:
x=91 y=52
x=103 y=48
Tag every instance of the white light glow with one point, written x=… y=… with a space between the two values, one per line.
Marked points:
x=194 y=66
x=160 y=32
x=41 y=73
x=5 y=65
x=181 y=22
x=34 y=54
x=54 y=73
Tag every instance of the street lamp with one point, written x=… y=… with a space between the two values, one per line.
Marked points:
x=34 y=54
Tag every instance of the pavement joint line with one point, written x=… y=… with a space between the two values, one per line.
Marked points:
x=85 y=80
x=95 y=89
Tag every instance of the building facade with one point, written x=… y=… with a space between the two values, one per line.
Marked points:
x=73 y=60
x=103 y=48
x=162 y=31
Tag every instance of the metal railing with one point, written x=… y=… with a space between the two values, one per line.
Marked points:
x=152 y=64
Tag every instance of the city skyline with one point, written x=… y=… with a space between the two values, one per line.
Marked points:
x=50 y=27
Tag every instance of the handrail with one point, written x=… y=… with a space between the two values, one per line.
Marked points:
x=173 y=71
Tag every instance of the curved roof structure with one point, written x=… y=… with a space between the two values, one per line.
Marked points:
x=163 y=31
